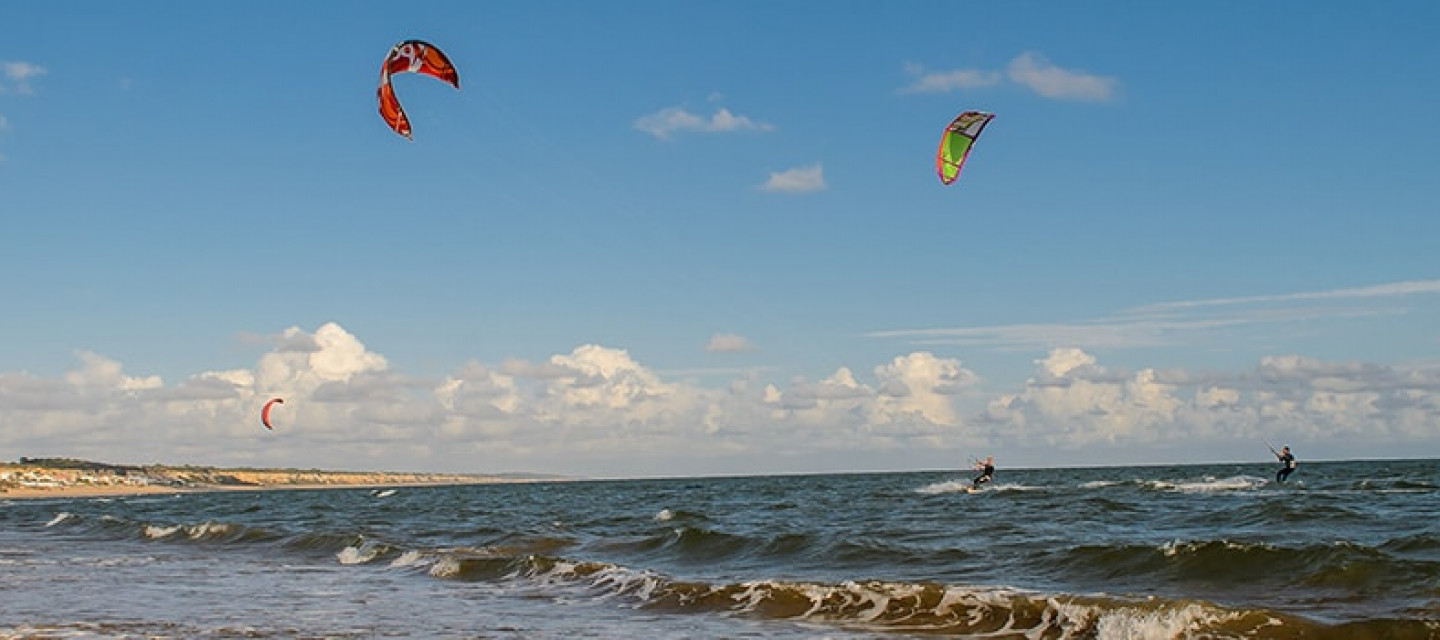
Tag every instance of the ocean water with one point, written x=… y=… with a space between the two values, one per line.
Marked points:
x=1342 y=550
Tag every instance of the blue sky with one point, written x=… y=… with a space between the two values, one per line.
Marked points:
x=663 y=238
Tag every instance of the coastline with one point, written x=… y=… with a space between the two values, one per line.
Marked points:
x=21 y=482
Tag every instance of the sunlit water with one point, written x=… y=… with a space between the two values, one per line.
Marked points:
x=1343 y=550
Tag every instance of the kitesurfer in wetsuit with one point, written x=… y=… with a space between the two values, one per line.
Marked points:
x=1288 y=461
x=987 y=471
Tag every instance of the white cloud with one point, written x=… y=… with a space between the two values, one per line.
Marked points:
x=597 y=410
x=797 y=180
x=1032 y=70
x=100 y=372
x=1073 y=403
x=948 y=81
x=18 y=75
x=729 y=343
x=541 y=371
x=1063 y=361
x=302 y=362
x=477 y=392
x=1174 y=323
x=1029 y=69
x=606 y=379
x=1387 y=290
x=921 y=386
x=1105 y=333
x=670 y=120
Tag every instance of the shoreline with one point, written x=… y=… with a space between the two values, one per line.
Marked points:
x=25 y=482
x=39 y=493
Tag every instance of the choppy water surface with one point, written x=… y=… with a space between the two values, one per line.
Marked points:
x=1344 y=550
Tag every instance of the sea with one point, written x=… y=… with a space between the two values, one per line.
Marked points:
x=1341 y=550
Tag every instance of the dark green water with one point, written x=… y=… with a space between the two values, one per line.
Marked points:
x=1343 y=550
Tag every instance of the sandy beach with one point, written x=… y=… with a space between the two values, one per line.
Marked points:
x=80 y=480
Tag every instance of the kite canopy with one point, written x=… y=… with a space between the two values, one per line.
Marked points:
x=265 y=413
x=411 y=56
x=956 y=142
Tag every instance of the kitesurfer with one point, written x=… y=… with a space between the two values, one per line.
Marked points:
x=987 y=471
x=1287 y=461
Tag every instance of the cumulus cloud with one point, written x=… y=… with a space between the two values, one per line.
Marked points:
x=606 y=378
x=729 y=343
x=302 y=362
x=539 y=371
x=592 y=408
x=1073 y=402
x=920 y=386
x=103 y=373
x=797 y=180
x=293 y=340
x=595 y=409
x=17 y=76
x=671 y=120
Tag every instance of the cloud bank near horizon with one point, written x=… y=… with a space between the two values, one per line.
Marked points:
x=597 y=411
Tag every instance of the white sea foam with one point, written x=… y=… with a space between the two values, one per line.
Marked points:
x=968 y=486
x=445 y=567
x=1179 y=547
x=157 y=532
x=890 y=605
x=411 y=559
x=610 y=580
x=949 y=486
x=981 y=608
x=1016 y=487
x=562 y=571
x=622 y=581
x=197 y=531
x=1211 y=484
x=1101 y=484
x=1161 y=624
x=359 y=555
x=60 y=517
x=665 y=515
